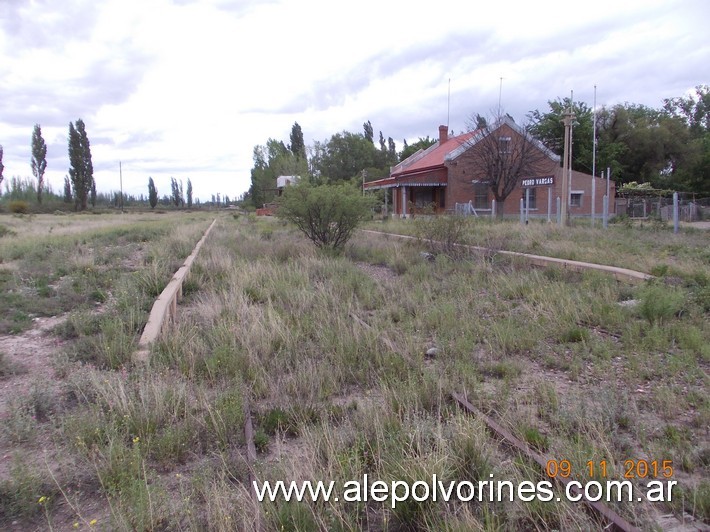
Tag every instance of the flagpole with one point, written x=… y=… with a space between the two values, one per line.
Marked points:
x=594 y=135
x=569 y=179
x=448 y=107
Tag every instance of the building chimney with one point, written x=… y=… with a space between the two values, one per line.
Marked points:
x=443 y=134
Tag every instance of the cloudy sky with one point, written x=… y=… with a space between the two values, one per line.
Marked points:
x=187 y=88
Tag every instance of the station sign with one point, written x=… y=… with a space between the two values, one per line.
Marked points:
x=544 y=181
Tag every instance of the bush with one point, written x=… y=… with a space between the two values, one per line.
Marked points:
x=444 y=233
x=4 y=231
x=19 y=207
x=327 y=214
x=660 y=303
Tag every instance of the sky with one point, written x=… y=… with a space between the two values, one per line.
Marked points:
x=186 y=89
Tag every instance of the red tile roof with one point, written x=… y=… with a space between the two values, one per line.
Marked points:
x=432 y=157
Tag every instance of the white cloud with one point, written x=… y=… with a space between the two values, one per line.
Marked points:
x=186 y=89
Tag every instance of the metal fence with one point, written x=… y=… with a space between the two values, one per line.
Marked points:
x=690 y=209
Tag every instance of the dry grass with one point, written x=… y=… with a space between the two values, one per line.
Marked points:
x=331 y=358
x=650 y=249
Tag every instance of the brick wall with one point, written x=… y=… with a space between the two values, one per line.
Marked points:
x=467 y=167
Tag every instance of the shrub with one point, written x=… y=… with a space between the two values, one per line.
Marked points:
x=19 y=207
x=327 y=214
x=574 y=334
x=5 y=366
x=659 y=303
x=443 y=233
x=5 y=231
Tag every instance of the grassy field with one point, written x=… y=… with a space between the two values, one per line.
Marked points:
x=649 y=247
x=328 y=355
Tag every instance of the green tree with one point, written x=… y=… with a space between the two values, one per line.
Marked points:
x=175 y=192
x=81 y=169
x=410 y=149
x=639 y=143
x=368 y=131
x=152 y=193
x=39 y=159
x=189 y=193
x=297 y=146
x=270 y=161
x=326 y=214
x=92 y=196
x=549 y=129
x=259 y=177
x=346 y=155
x=690 y=171
x=391 y=152
x=694 y=110
x=67 y=190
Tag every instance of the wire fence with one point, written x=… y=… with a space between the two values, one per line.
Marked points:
x=690 y=208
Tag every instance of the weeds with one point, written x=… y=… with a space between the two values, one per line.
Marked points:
x=334 y=365
x=659 y=303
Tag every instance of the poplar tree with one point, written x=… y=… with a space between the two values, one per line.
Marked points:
x=39 y=159
x=369 y=133
x=67 y=190
x=298 y=146
x=174 y=191
x=152 y=193
x=81 y=170
x=189 y=193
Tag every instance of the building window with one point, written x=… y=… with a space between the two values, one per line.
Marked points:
x=504 y=144
x=575 y=199
x=533 y=198
x=423 y=197
x=480 y=196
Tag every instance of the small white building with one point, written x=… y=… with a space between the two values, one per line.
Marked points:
x=283 y=181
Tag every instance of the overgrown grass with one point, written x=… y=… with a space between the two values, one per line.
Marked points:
x=642 y=248
x=94 y=275
x=331 y=361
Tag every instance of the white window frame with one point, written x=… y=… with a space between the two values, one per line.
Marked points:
x=580 y=194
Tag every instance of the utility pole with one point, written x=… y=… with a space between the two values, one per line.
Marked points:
x=567 y=120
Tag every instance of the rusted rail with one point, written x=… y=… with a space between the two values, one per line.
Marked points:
x=615 y=520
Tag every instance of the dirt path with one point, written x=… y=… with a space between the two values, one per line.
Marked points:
x=28 y=362
x=696 y=225
x=30 y=357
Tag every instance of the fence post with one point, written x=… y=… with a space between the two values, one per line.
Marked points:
x=549 y=203
x=493 y=208
x=605 y=216
x=522 y=213
x=675 y=212
x=559 y=214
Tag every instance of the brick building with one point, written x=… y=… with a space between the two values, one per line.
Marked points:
x=453 y=171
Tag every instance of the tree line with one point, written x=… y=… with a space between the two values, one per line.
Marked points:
x=344 y=156
x=667 y=147
x=79 y=185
